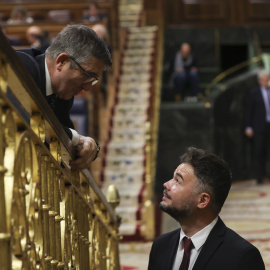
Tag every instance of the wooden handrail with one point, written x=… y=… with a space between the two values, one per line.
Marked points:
x=41 y=104
x=229 y=71
x=44 y=206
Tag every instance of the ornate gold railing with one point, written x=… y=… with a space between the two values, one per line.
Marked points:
x=226 y=73
x=50 y=217
x=152 y=142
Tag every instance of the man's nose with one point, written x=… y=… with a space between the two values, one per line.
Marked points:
x=167 y=185
x=87 y=87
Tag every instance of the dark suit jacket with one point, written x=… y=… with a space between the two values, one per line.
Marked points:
x=34 y=61
x=223 y=250
x=256 y=113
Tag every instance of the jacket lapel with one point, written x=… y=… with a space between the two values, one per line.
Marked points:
x=41 y=62
x=171 y=255
x=212 y=243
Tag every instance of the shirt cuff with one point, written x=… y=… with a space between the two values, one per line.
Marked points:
x=75 y=137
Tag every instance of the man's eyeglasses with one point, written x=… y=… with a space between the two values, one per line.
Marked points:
x=90 y=79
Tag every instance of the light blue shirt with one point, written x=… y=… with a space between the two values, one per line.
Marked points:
x=266 y=103
x=49 y=90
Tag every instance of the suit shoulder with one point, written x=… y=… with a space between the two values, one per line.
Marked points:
x=27 y=59
x=238 y=241
x=31 y=52
x=255 y=90
x=31 y=65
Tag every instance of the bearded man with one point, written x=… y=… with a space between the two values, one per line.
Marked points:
x=194 y=197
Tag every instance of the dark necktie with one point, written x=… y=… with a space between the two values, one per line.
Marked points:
x=51 y=100
x=188 y=246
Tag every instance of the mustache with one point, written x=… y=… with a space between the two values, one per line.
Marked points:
x=166 y=193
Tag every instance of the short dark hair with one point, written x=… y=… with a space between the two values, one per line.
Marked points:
x=213 y=174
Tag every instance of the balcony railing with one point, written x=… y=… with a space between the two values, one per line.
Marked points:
x=50 y=217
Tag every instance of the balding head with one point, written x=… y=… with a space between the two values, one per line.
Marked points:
x=101 y=30
x=264 y=78
x=185 y=50
x=33 y=33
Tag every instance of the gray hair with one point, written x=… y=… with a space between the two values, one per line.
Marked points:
x=262 y=72
x=80 y=42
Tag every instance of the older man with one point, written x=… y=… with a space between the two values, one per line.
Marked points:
x=194 y=197
x=73 y=63
x=258 y=125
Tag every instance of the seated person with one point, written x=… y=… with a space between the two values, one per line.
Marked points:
x=36 y=38
x=102 y=31
x=19 y=15
x=13 y=41
x=185 y=72
x=93 y=13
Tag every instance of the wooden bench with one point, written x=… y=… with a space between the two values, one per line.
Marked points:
x=18 y=31
x=40 y=8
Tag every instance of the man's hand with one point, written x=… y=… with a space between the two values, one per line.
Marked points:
x=179 y=70
x=86 y=152
x=194 y=69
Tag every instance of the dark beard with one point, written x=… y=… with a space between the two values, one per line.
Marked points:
x=178 y=215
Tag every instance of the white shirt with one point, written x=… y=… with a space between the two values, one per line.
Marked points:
x=198 y=240
x=49 y=90
x=75 y=136
x=266 y=103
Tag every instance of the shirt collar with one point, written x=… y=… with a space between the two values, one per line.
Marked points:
x=49 y=90
x=264 y=88
x=200 y=237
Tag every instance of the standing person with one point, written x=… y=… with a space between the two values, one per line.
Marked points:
x=258 y=125
x=185 y=72
x=194 y=197
x=73 y=63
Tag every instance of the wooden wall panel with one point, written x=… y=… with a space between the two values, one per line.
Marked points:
x=205 y=10
x=197 y=12
x=216 y=12
x=257 y=10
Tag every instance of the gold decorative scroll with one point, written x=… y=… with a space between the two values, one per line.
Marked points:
x=50 y=217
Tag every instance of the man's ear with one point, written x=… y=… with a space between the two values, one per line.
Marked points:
x=61 y=60
x=204 y=200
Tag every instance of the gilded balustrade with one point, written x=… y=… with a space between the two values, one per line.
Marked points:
x=50 y=217
x=151 y=139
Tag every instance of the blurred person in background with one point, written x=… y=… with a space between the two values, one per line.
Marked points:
x=185 y=73
x=102 y=31
x=37 y=38
x=19 y=14
x=13 y=41
x=258 y=125
x=93 y=14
